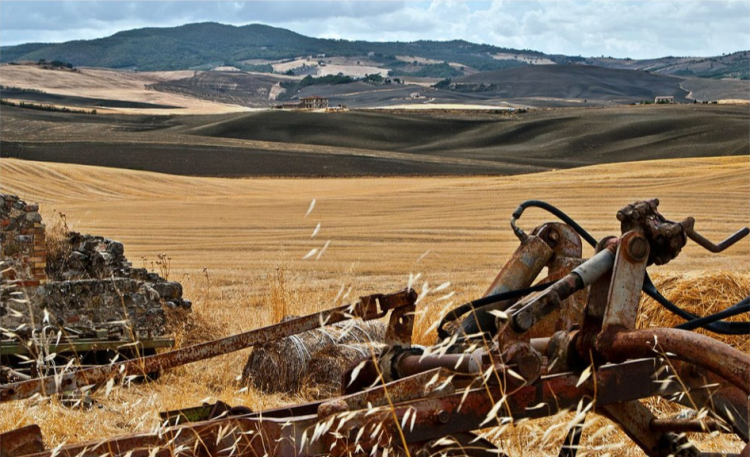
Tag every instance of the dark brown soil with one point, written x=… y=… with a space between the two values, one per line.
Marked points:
x=377 y=143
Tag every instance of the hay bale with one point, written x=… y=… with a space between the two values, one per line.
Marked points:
x=313 y=360
x=327 y=366
x=700 y=293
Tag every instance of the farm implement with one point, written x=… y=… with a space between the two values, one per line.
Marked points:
x=525 y=350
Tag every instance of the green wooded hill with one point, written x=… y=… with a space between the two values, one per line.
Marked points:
x=208 y=44
x=194 y=45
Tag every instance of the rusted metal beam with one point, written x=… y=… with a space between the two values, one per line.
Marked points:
x=703 y=351
x=369 y=307
x=531 y=310
x=689 y=226
x=684 y=425
x=625 y=286
x=22 y=441
x=634 y=419
x=78 y=345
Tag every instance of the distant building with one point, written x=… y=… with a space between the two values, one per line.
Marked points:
x=664 y=99
x=313 y=102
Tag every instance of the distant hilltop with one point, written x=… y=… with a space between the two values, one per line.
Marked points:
x=262 y=48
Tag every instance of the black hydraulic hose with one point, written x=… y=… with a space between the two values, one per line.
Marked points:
x=560 y=215
x=711 y=322
x=459 y=311
x=739 y=308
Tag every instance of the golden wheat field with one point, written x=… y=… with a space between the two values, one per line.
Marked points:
x=249 y=251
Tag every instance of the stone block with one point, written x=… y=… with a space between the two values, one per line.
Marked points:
x=34 y=217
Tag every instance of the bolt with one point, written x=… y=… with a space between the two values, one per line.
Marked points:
x=522 y=321
x=638 y=248
x=443 y=417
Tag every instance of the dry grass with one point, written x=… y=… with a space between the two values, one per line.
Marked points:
x=57 y=244
x=237 y=247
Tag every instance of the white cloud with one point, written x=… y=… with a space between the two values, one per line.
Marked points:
x=638 y=29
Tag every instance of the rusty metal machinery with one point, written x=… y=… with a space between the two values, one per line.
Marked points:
x=568 y=343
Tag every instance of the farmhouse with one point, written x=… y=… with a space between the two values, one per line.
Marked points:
x=313 y=102
x=664 y=99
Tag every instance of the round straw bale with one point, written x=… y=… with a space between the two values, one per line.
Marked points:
x=285 y=365
x=701 y=293
x=327 y=366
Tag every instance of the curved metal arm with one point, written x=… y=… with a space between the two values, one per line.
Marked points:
x=688 y=225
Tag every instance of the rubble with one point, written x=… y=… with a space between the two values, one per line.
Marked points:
x=87 y=282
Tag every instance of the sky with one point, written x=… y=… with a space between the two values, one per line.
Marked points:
x=618 y=28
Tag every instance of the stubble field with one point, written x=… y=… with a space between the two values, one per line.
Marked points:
x=232 y=242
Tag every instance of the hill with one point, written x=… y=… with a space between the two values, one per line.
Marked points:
x=195 y=45
x=258 y=47
x=732 y=66
x=569 y=82
x=376 y=143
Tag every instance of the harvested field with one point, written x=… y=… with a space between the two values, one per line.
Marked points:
x=574 y=82
x=226 y=238
x=703 y=89
x=112 y=86
x=230 y=87
x=376 y=143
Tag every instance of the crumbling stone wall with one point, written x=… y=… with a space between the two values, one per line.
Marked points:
x=88 y=284
x=22 y=242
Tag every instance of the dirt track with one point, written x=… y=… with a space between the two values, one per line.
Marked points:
x=376 y=143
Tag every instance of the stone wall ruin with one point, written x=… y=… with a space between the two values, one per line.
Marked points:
x=88 y=284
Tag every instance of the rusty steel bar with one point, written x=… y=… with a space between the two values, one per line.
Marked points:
x=369 y=307
x=625 y=286
x=468 y=363
x=518 y=273
x=531 y=310
x=684 y=425
x=525 y=265
x=723 y=398
x=703 y=351
x=634 y=418
x=689 y=226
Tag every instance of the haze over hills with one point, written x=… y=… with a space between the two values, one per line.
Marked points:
x=203 y=46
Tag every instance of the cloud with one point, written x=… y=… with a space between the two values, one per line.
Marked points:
x=638 y=29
